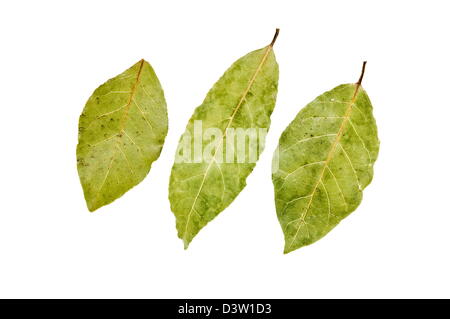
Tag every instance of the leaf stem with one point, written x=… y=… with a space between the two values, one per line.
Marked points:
x=362 y=73
x=277 y=31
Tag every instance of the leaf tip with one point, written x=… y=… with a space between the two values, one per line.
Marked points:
x=92 y=208
x=288 y=248
x=186 y=244
x=93 y=205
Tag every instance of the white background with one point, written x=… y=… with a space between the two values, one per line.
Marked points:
x=54 y=54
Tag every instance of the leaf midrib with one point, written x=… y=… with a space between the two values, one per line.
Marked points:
x=123 y=120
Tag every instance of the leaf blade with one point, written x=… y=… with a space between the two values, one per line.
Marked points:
x=244 y=97
x=325 y=160
x=121 y=132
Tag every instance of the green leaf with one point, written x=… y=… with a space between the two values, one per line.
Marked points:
x=243 y=98
x=121 y=132
x=323 y=162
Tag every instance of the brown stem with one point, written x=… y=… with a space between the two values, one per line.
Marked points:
x=362 y=74
x=277 y=31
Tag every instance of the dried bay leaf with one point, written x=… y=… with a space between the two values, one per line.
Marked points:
x=121 y=132
x=243 y=98
x=323 y=162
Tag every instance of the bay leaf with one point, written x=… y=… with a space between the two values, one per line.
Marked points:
x=323 y=162
x=243 y=98
x=121 y=133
